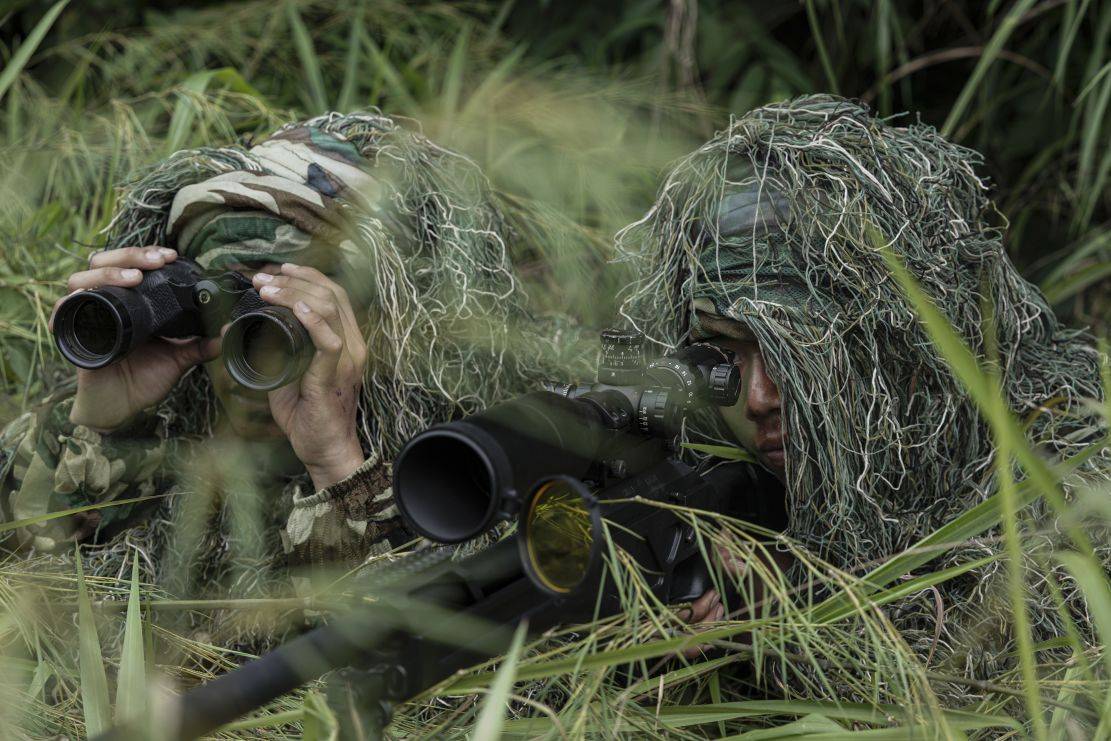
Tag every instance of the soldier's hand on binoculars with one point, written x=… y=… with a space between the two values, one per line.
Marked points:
x=108 y=397
x=317 y=413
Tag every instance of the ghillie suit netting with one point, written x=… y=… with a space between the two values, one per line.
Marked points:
x=772 y=223
x=422 y=246
x=416 y=235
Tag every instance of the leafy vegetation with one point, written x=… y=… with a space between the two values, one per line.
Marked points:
x=573 y=109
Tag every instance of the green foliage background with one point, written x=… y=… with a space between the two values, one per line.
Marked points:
x=574 y=108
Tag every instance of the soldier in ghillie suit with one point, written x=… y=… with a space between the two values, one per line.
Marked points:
x=390 y=250
x=764 y=240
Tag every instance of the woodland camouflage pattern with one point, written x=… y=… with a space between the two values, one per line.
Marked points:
x=769 y=224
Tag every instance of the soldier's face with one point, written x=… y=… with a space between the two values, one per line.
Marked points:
x=756 y=419
x=247 y=411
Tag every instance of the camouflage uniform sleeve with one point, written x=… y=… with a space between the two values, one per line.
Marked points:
x=48 y=464
x=347 y=522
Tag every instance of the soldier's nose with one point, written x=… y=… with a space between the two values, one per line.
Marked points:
x=763 y=394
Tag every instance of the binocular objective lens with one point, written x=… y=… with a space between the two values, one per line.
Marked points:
x=559 y=531
x=265 y=349
x=95 y=328
x=92 y=328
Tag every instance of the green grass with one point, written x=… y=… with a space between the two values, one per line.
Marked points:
x=573 y=110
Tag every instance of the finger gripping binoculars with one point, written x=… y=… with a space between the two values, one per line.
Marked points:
x=265 y=346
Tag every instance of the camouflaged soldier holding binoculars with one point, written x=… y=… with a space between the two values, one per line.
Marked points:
x=243 y=261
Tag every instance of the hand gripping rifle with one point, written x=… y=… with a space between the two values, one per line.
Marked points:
x=559 y=462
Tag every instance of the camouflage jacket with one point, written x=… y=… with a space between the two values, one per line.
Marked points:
x=206 y=512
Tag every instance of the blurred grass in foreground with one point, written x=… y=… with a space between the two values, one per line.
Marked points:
x=575 y=111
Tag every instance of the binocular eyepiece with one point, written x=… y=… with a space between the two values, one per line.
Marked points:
x=264 y=347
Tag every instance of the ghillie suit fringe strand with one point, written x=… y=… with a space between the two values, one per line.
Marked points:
x=447 y=327
x=883 y=444
x=424 y=250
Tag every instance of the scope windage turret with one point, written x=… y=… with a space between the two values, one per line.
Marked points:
x=265 y=346
x=454 y=481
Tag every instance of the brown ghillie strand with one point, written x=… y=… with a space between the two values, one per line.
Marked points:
x=447 y=327
x=427 y=262
x=883 y=444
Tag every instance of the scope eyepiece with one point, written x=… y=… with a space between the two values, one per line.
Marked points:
x=723 y=384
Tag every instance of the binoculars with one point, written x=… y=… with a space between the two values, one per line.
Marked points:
x=265 y=346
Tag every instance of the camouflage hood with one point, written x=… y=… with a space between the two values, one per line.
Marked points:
x=768 y=223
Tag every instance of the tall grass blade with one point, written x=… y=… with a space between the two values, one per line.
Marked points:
x=19 y=60
x=715 y=696
x=131 y=687
x=1097 y=243
x=819 y=42
x=185 y=109
x=492 y=715
x=1091 y=85
x=1090 y=178
x=728 y=452
x=1060 y=717
x=351 y=70
x=1097 y=593
x=990 y=54
x=390 y=75
x=808 y=727
x=27 y=521
x=495 y=79
x=1073 y=18
x=1015 y=581
x=883 y=52
x=94 y=683
x=1066 y=288
x=310 y=62
x=318 y=722
x=455 y=74
x=499 y=20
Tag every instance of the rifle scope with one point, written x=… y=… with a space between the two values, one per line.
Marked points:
x=454 y=481
x=265 y=346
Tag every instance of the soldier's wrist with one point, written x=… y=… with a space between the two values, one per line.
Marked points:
x=337 y=468
x=95 y=419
